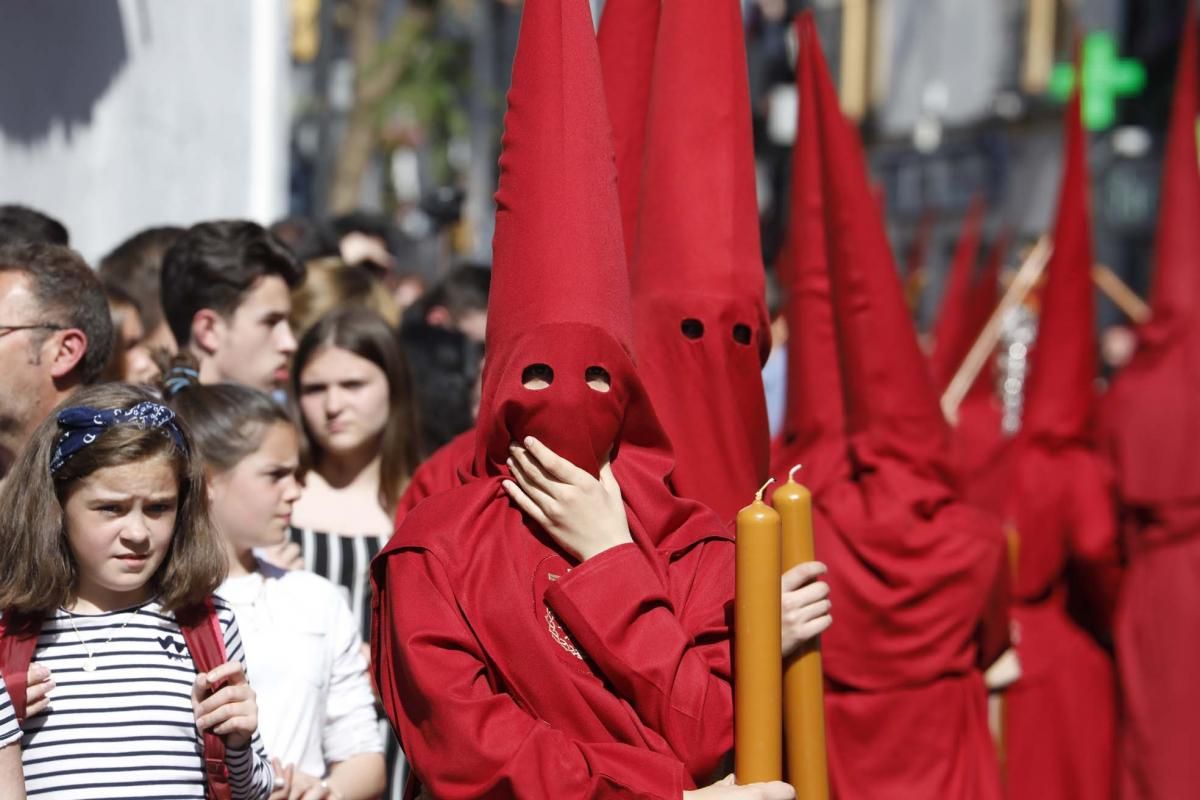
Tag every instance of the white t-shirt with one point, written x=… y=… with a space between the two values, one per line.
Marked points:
x=125 y=728
x=305 y=662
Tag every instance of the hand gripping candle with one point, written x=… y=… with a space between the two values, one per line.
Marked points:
x=757 y=637
x=803 y=685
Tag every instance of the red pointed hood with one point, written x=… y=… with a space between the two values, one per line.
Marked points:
x=1175 y=298
x=1060 y=398
x=560 y=288
x=1150 y=410
x=891 y=408
x=952 y=333
x=698 y=228
x=814 y=428
x=628 y=30
x=985 y=296
x=701 y=325
x=900 y=551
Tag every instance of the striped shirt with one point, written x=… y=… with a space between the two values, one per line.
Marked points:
x=10 y=731
x=344 y=559
x=127 y=728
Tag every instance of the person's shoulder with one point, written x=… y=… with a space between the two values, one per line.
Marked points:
x=223 y=609
x=303 y=586
x=447 y=524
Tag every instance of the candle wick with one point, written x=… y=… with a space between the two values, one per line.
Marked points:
x=792 y=472
x=759 y=495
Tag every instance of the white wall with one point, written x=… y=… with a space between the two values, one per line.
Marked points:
x=120 y=114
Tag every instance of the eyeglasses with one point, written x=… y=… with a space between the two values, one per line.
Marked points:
x=5 y=330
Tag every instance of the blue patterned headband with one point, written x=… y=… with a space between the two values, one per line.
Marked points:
x=81 y=426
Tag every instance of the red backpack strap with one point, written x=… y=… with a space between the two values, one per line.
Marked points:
x=206 y=642
x=18 y=641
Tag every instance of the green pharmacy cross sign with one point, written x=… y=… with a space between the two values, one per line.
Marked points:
x=1106 y=77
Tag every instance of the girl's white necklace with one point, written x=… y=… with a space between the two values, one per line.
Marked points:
x=89 y=664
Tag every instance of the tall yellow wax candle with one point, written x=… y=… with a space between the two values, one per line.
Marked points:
x=803 y=684
x=758 y=679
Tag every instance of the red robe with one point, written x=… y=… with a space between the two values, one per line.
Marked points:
x=495 y=704
x=917 y=578
x=906 y=709
x=1152 y=429
x=1153 y=432
x=439 y=473
x=1061 y=723
x=1062 y=712
x=507 y=668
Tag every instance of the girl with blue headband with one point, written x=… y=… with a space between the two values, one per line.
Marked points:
x=107 y=614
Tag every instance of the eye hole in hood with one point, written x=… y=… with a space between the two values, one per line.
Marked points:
x=537 y=377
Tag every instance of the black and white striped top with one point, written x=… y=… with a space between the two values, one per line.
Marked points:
x=9 y=730
x=344 y=559
x=127 y=728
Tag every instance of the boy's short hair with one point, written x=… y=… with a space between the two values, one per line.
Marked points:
x=214 y=264
x=135 y=265
x=24 y=224
x=33 y=523
x=69 y=294
x=305 y=237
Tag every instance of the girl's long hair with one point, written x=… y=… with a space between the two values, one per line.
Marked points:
x=368 y=336
x=40 y=573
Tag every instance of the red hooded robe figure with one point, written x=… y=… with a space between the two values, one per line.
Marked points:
x=626 y=37
x=978 y=438
x=628 y=31
x=918 y=578
x=1152 y=432
x=446 y=468
x=952 y=335
x=700 y=320
x=507 y=667
x=1059 y=501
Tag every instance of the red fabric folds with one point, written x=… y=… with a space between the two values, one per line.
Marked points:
x=628 y=30
x=1155 y=428
x=446 y=468
x=917 y=577
x=508 y=668
x=815 y=421
x=954 y=332
x=701 y=327
x=1060 y=397
x=1152 y=431
x=1055 y=494
x=978 y=440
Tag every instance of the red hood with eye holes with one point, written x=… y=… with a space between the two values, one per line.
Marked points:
x=576 y=421
x=708 y=393
x=697 y=255
x=460 y=635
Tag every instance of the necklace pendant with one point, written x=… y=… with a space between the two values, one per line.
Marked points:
x=89 y=665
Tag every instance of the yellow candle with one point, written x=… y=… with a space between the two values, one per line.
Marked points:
x=803 y=685
x=758 y=679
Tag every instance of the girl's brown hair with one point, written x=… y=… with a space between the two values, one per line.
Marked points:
x=330 y=284
x=366 y=335
x=40 y=573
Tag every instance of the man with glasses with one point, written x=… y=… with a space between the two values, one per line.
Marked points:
x=55 y=336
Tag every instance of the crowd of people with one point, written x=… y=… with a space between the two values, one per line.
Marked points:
x=271 y=528
x=284 y=462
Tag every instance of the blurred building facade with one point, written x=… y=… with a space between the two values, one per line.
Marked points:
x=120 y=114
x=959 y=98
